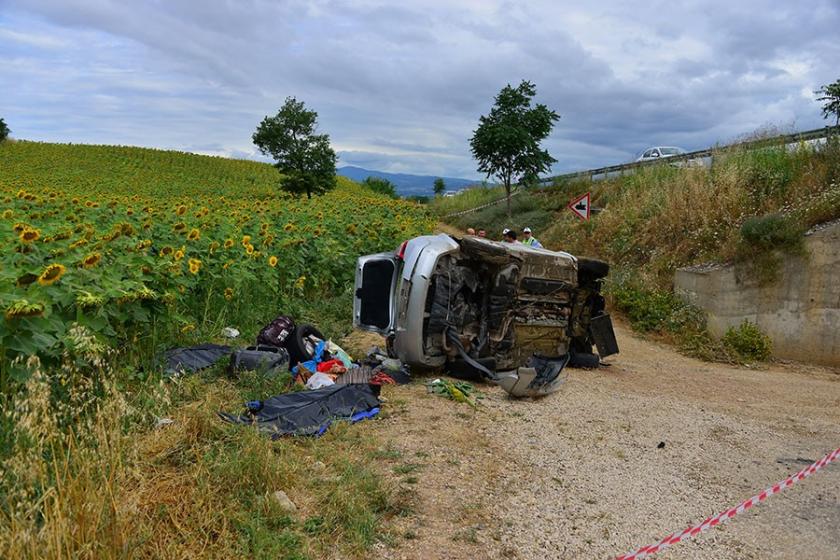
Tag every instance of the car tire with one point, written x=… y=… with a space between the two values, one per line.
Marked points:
x=592 y=269
x=299 y=346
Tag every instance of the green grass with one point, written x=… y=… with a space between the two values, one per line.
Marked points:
x=86 y=474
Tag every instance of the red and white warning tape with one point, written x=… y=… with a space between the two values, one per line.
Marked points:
x=725 y=516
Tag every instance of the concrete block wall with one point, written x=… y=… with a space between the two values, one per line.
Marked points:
x=800 y=311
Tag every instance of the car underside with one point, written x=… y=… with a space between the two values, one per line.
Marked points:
x=478 y=307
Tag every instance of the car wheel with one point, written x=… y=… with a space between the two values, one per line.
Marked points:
x=301 y=346
x=592 y=269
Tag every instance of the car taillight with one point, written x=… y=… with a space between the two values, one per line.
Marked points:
x=401 y=250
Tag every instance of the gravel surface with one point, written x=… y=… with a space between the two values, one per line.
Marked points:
x=619 y=458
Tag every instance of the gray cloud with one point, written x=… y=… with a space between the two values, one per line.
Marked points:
x=400 y=87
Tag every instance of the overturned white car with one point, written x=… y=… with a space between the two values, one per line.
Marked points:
x=507 y=312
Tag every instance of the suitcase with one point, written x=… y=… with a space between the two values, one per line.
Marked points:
x=269 y=359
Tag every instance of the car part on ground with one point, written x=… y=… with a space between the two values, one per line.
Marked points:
x=302 y=343
x=539 y=376
x=477 y=306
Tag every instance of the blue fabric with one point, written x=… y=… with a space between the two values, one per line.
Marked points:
x=312 y=365
x=357 y=417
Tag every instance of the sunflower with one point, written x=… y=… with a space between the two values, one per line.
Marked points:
x=228 y=294
x=179 y=226
x=166 y=250
x=51 y=274
x=195 y=266
x=194 y=234
x=246 y=239
x=249 y=249
x=179 y=254
x=180 y=210
x=299 y=283
x=214 y=245
x=7 y=214
x=228 y=243
x=91 y=260
x=19 y=227
x=29 y=235
x=22 y=308
x=289 y=227
x=272 y=261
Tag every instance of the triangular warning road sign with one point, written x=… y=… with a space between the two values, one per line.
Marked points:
x=580 y=206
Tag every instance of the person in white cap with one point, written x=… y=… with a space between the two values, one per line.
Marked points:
x=529 y=239
x=509 y=236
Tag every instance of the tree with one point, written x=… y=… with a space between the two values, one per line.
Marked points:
x=305 y=158
x=381 y=186
x=507 y=141
x=831 y=95
x=4 y=130
x=439 y=187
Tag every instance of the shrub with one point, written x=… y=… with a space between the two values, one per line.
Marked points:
x=771 y=231
x=748 y=342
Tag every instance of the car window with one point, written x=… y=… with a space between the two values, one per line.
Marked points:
x=671 y=151
x=654 y=152
x=647 y=153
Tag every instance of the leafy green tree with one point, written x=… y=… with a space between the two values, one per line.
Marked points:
x=439 y=187
x=304 y=158
x=831 y=95
x=4 y=130
x=506 y=143
x=381 y=186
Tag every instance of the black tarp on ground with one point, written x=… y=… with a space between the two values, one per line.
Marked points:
x=308 y=412
x=181 y=360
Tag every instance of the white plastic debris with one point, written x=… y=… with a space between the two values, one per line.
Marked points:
x=161 y=422
x=319 y=380
x=230 y=332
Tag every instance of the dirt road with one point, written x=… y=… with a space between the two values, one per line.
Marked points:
x=619 y=458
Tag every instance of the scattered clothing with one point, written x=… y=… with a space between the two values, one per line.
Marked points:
x=334 y=366
x=185 y=360
x=308 y=412
x=338 y=352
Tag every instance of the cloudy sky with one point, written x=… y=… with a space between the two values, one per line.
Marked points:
x=399 y=86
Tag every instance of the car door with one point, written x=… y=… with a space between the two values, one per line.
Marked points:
x=374 y=306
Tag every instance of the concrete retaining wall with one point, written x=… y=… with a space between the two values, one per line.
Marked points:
x=800 y=311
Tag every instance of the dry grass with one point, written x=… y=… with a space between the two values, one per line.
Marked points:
x=663 y=217
x=111 y=485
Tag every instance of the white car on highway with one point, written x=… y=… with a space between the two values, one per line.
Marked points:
x=659 y=152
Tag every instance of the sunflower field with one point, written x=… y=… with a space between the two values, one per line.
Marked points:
x=147 y=247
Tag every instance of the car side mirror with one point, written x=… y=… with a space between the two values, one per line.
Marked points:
x=654 y=154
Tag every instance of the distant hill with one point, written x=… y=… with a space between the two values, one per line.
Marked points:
x=407 y=184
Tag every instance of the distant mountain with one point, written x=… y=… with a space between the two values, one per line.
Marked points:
x=406 y=184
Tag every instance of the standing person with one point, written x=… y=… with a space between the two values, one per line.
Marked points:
x=509 y=236
x=530 y=240
x=482 y=233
